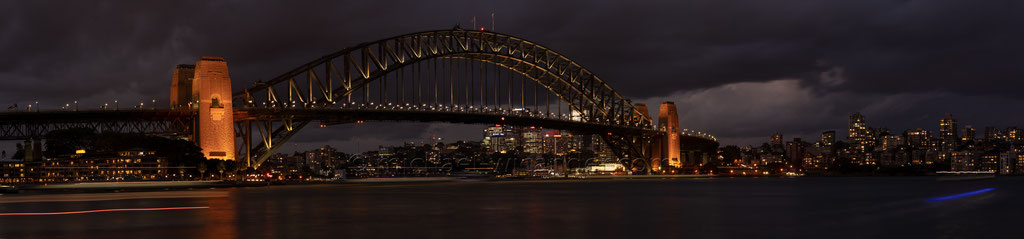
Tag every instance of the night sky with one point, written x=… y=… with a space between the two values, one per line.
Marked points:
x=737 y=69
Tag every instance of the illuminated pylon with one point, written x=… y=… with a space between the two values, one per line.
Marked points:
x=211 y=96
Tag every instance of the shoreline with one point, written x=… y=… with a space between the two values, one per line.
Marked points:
x=149 y=186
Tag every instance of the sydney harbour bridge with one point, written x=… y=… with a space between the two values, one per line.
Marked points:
x=454 y=76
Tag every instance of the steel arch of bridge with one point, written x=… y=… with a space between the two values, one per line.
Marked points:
x=573 y=83
x=336 y=77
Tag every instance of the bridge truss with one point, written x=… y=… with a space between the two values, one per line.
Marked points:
x=470 y=72
x=35 y=125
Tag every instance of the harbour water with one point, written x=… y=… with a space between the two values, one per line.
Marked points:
x=855 y=207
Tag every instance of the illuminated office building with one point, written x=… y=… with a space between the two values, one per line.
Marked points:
x=502 y=138
x=948 y=133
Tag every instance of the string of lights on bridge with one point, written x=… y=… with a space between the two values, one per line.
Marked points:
x=498 y=111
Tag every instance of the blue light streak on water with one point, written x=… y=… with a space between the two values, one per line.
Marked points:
x=960 y=195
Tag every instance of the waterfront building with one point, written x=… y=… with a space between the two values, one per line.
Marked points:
x=964 y=161
x=325 y=156
x=818 y=158
x=533 y=140
x=989 y=162
x=1008 y=161
x=1018 y=160
x=795 y=151
x=502 y=138
x=127 y=165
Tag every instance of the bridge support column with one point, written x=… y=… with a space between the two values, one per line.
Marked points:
x=668 y=121
x=212 y=98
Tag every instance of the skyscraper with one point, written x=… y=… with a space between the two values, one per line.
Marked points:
x=502 y=138
x=947 y=133
x=860 y=138
x=533 y=140
x=858 y=131
x=795 y=152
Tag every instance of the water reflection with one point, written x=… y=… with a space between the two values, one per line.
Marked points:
x=724 y=208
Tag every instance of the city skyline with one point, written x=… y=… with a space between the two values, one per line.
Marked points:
x=953 y=148
x=799 y=76
x=956 y=128
x=511 y=119
x=840 y=134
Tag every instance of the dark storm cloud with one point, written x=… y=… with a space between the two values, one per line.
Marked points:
x=824 y=53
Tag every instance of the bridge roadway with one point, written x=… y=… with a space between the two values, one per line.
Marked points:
x=20 y=125
x=331 y=116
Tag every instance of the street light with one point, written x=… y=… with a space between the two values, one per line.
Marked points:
x=116 y=106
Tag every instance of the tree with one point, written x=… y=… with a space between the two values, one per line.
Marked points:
x=221 y=167
x=235 y=166
x=66 y=141
x=19 y=152
x=202 y=169
x=731 y=153
x=176 y=151
x=181 y=171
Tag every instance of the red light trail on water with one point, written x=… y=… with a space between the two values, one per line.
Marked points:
x=100 y=210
